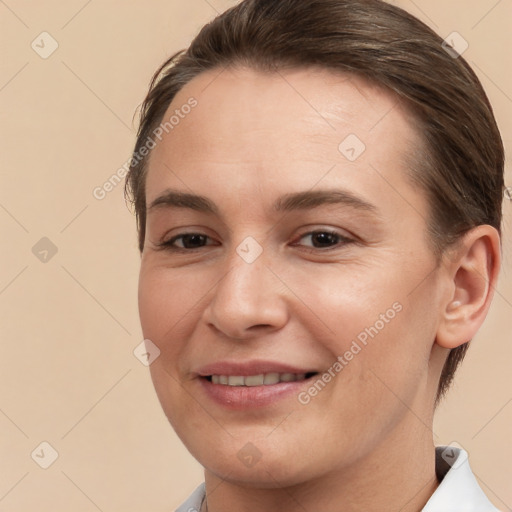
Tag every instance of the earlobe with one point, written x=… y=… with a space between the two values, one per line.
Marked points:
x=472 y=270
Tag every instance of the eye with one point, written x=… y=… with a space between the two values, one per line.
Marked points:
x=185 y=242
x=325 y=239
x=320 y=239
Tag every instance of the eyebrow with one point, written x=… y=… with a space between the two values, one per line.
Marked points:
x=306 y=200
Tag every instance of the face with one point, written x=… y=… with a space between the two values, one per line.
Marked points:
x=286 y=276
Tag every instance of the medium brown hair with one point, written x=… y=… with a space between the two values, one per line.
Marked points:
x=461 y=165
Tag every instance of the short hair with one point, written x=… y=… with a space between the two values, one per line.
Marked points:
x=460 y=164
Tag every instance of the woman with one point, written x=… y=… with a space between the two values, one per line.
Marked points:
x=318 y=188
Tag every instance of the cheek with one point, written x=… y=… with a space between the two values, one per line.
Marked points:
x=162 y=310
x=166 y=302
x=166 y=317
x=348 y=303
x=372 y=321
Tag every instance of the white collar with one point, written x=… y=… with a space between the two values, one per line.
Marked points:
x=458 y=491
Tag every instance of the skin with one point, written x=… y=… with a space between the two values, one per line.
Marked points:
x=365 y=442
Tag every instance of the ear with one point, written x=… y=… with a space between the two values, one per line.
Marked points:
x=472 y=274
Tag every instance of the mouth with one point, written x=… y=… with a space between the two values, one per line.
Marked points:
x=262 y=379
x=244 y=392
x=257 y=383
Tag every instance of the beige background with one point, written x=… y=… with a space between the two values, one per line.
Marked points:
x=68 y=375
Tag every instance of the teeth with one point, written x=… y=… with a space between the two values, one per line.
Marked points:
x=235 y=380
x=271 y=378
x=262 y=379
x=254 y=380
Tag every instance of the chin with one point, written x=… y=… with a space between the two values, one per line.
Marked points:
x=269 y=475
x=266 y=466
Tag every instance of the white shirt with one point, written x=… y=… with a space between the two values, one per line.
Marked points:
x=458 y=491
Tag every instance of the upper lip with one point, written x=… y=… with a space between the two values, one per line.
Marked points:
x=245 y=368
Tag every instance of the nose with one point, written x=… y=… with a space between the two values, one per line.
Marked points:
x=248 y=301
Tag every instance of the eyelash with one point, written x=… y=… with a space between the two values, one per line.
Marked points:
x=342 y=240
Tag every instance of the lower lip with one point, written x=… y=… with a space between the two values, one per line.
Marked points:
x=247 y=397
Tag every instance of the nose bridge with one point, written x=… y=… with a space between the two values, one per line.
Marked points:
x=248 y=279
x=248 y=295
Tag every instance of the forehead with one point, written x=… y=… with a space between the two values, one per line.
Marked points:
x=281 y=130
x=316 y=100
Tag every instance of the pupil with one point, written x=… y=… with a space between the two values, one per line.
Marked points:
x=324 y=238
x=193 y=240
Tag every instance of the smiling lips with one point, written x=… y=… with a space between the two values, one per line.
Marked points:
x=244 y=385
x=253 y=373
x=263 y=379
